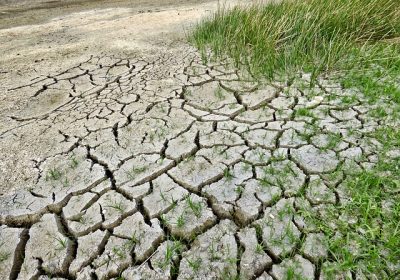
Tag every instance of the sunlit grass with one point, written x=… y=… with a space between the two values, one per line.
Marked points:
x=304 y=35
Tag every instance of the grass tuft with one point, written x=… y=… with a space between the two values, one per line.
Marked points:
x=310 y=36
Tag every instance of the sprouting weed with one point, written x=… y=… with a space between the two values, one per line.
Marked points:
x=119 y=252
x=173 y=249
x=195 y=264
x=213 y=252
x=304 y=112
x=239 y=190
x=3 y=255
x=259 y=230
x=180 y=222
x=133 y=240
x=162 y=195
x=134 y=171
x=232 y=261
x=53 y=174
x=228 y=174
x=117 y=205
x=190 y=158
x=219 y=93
x=265 y=182
x=74 y=162
x=188 y=93
x=333 y=140
x=65 y=183
x=246 y=167
x=196 y=207
x=61 y=243
x=290 y=274
x=259 y=248
x=83 y=219
x=163 y=220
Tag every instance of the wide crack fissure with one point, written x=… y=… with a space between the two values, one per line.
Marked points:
x=19 y=254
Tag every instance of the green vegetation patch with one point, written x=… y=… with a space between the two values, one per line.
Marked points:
x=356 y=42
x=305 y=35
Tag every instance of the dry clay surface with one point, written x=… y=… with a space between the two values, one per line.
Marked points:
x=132 y=158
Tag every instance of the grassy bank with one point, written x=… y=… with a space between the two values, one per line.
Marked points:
x=357 y=42
x=305 y=35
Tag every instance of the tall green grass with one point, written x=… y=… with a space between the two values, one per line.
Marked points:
x=304 y=35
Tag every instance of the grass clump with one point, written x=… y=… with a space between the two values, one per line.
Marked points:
x=304 y=35
x=372 y=244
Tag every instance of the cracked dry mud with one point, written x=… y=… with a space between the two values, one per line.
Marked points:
x=159 y=166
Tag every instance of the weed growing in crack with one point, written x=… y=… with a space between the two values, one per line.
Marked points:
x=258 y=229
x=280 y=113
x=333 y=141
x=276 y=241
x=65 y=183
x=195 y=71
x=188 y=93
x=134 y=171
x=265 y=182
x=61 y=243
x=133 y=240
x=119 y=252
x=82 y=219
x=304 y=112
x=116 y=205
x=232 y=106
x=289 y=234
x=219 y=93
x=162 y=108
x=189 y=158
x=228 y=174
x=195 y=264
x=212 y=250
x=239 y=190
x=53 y=174
x=180 y=222
x=196 y=207
x=246 y=167
x=332 y=270
x=259 y=248
x=334 y=176
x=228 y=275
x=4 y=256
x=152 y=136
x=278 y=156
x=164 y=220
x=278 y=176
x=173 y=249
x=162 y=195
x=232 y=261
x=291 y=274
x=285 y=211
x=73 y=162
x=224 y=152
